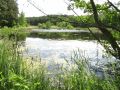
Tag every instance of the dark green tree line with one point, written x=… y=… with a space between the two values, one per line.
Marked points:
x=8 y=13
x=75 y=21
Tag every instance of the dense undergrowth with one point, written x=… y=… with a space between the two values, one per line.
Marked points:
x=19 y=33
x=16 y=73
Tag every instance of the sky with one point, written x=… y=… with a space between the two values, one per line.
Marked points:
x=48 y=6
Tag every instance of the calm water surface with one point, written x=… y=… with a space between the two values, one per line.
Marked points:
x=58 y=50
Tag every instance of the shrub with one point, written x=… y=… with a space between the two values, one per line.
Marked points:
x=65 y=25
x=46 y=25
x=69 y=26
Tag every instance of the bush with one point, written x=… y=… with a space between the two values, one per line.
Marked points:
x=69 y=26
x=46 y=25
x=65 y=25
x=22 y=20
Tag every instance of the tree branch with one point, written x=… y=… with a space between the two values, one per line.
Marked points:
x=113 y=6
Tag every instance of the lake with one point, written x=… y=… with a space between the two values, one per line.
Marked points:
x=58 y=51
x=60 y=48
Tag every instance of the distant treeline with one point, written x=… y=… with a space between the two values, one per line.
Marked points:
x=75 y=21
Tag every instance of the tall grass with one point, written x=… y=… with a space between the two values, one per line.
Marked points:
x=18 y=74
x=82 y=78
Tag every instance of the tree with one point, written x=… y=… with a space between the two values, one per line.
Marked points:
x=94 y=9
x=105 y=31
x=22 y=20
x=8 y=12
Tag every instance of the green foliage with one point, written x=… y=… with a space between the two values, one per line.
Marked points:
x=62 y=24
x=112 y=18
x=22 y=20
x=65 y=25
x=46 y=25
x=116 y=34
x=74 y=21
x=40 y=25
x=69 y=26
x=8 y=12
x=107 y=14
x=18 y=74
x=19 y=33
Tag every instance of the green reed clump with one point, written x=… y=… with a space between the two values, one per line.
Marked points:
x=17 y=73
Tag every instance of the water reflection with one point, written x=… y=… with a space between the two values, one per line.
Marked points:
x=59 y=50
